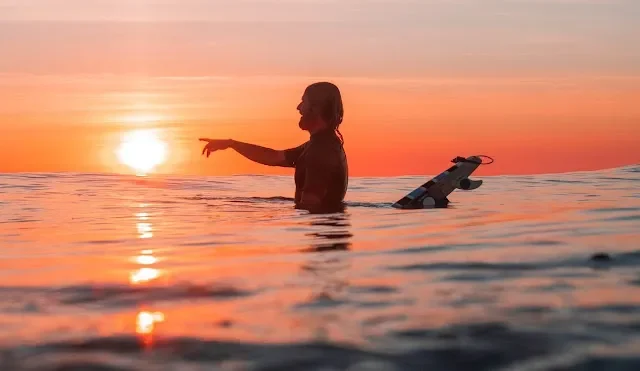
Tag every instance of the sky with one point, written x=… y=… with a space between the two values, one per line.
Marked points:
x=542 y=86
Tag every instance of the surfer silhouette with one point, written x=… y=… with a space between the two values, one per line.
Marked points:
x=321 y=170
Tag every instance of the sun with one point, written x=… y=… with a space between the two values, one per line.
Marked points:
x=142 y=150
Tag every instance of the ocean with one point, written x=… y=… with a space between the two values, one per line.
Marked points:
x=115 y=272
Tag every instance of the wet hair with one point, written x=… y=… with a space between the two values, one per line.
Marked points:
x=326 y=97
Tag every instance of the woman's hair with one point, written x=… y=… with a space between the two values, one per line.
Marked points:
x=326 y=96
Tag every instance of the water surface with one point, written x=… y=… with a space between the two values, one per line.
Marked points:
x=115 y=272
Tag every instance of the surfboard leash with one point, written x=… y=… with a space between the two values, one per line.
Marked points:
x=462 y=159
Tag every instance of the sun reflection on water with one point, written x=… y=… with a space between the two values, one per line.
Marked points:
x=146 y=273
x=146 y=320
x=146 y=259
x=145 y=230
x=143 y=275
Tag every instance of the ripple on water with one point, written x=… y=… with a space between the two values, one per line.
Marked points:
x=467 y=266
x=435 y=248
x=128 y=296
x=471 y=346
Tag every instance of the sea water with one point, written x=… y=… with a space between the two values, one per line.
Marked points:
x=112 y=272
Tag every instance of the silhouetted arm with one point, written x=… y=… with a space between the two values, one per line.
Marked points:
x=253 y=152
x=259 y=154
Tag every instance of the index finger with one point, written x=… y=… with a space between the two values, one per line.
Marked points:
x=204 y=139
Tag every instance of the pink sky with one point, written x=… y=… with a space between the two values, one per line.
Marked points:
x=531 y=82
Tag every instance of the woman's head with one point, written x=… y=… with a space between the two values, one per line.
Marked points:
x=321 y=106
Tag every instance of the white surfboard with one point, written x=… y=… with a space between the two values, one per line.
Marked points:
x=433 y=194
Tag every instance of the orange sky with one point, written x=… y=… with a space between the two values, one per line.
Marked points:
x=541 y=86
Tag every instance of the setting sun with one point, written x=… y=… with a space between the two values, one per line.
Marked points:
x=142 y=150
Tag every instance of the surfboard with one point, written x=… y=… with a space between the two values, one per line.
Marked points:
x=434 y=193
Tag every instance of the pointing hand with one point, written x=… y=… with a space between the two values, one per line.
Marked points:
x=215 y=145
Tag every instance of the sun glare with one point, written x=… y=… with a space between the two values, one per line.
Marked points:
x=142 y=119
x=142 y=150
